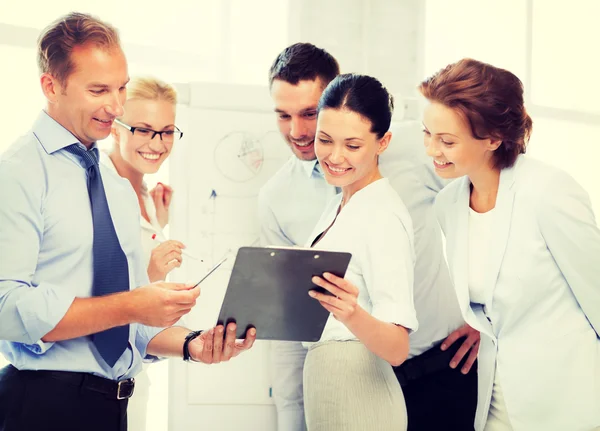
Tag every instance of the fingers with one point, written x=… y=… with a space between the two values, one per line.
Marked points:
x=172 y=255
x=342 y=290
x=167 y=196
x=186 y=298
x=169 y=246
x=462 y=351
x=207 y=350
x=218 y=345
x=331 y=303
x=247 y=343
x=229 y=343
x=172 y=320
x=333 y=289
x=451 y=339
x=172 y=265
x=333 y=310
x=176 y=286
x=338 y=282
x=157 y=195
x=471 y=359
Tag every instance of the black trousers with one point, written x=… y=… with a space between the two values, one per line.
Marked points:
x=440 y=400
x=32 y=401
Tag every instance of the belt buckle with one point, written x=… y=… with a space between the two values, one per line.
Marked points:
x=125 y=389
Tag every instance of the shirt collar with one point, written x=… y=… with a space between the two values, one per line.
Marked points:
x=107 y=161
x=52 y=135
x=311 y=167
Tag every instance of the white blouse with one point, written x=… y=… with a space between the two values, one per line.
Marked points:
x=148 y=228
x=480 y=237
x=376 y=228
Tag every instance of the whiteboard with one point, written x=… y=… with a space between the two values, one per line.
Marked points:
x=231 y=147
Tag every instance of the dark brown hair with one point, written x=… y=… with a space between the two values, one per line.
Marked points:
x=363 y=95
x=304 y=61
x=57 y=41
x=490 y=99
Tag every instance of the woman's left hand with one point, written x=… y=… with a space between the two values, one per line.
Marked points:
x=343 y=303
x=161 y=195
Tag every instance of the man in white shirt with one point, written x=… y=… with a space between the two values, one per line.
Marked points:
x=438 y=395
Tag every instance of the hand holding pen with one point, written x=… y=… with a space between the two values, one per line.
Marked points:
x=165 y=257
x=184 y=252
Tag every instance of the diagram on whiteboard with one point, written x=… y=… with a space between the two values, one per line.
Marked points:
x=228 y=157
x=239 y=156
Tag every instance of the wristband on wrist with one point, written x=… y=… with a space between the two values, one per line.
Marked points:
x=189 y=337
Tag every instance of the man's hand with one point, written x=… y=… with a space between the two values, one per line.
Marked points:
x=162 y=304
x=161 y=195
x=211 y=347
x=471 y=344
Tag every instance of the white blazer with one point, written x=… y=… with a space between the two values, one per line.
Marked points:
x=541 y=323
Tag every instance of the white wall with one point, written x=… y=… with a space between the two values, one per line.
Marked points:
x=549 y=45
x=376 y=37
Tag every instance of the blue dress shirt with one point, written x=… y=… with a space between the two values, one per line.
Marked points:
x=46 y=253
x=291 y=203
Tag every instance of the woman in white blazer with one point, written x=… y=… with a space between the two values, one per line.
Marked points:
x=142 y=140
x=523 y=249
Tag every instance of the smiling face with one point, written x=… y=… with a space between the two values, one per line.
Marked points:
x=92 y=96
x=139 y=152
x=296 y=109
x=347 y=149
x=449 y=141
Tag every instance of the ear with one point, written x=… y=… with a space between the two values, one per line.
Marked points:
x=384 y=142
x=493 y=144
x=51 y=87
x=115 y=134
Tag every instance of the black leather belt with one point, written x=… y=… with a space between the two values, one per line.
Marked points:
x=116 y=390
x=429 y=362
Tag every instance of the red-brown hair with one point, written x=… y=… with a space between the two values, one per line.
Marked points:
x=490 y=99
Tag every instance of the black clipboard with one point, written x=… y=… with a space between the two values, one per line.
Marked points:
x=268 y=290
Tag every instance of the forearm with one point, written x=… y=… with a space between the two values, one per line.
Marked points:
x=388 y=341
x=88 y=316
x=168 y=342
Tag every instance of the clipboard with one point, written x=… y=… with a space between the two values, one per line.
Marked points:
x=268 y=290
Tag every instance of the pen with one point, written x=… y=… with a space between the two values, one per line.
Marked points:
x=184 y=252
x=218 y=264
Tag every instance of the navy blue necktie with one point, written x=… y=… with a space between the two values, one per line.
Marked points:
x=111 y=272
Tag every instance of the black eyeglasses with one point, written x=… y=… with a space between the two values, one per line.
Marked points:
x=143 y=132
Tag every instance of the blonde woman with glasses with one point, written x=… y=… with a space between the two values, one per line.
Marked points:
x=142 y=140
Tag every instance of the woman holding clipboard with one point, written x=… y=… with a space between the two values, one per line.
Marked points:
x=349 y=383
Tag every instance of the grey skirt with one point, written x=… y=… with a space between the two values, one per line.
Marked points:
x=348 y=388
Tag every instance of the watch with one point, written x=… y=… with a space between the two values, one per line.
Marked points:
x=189 y=337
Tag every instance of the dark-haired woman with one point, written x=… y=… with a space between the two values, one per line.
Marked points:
x=523 y=249
x=349 y=383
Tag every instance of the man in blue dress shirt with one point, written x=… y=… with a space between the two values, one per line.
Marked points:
x=440 y=392
x=77 y=313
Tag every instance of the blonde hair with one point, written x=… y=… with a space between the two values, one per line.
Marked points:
x=58 y=40
x=151 y=89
